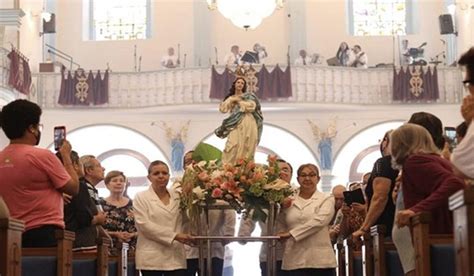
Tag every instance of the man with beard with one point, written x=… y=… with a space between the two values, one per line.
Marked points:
x=32 y=179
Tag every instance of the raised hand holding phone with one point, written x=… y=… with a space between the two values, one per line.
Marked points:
x=59 y=136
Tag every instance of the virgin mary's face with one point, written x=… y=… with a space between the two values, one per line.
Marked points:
x=239 y=84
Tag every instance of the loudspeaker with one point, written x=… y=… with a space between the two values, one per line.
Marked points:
x=49 y=27
x=446 y=25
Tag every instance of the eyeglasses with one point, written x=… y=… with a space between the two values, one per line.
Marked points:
x=467 y=83
x=311 y=175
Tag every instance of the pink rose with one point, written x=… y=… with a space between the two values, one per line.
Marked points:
x=250 y=165
x=204 y=177
x=257 y=176
x=217 y=193
x=272 y=158
x=217 y=181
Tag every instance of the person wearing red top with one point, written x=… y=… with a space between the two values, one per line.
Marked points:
x=428 y=179
x=32 y=179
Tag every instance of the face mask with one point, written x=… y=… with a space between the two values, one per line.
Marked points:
x=38 y=137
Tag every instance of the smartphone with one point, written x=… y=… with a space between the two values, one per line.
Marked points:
x=59 y=136
x=450 y=133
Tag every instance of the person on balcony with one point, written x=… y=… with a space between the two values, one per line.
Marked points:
x=344 y=55
x=303 y=58
x=32 y=180
x=233 y=58
x=170 y=60
x=360 y=58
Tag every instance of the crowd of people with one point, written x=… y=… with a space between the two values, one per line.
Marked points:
x=415 y=173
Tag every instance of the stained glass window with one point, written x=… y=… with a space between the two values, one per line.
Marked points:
x=379 y=17
x=119 y=19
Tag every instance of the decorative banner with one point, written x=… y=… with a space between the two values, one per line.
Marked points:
x=265 y=84
x=82 y=89
x=414 y=84
x=20 y=74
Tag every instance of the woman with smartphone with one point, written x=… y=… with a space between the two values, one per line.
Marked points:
x=33 y=179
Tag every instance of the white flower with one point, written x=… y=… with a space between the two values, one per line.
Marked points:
x=217 y=173
x=212 y=164
x=199 y=192
x=201 y=164
x=276 y=185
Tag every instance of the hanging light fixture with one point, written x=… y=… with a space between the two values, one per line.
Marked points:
x=246 y=14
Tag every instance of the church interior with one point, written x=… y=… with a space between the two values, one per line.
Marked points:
x=133 y=81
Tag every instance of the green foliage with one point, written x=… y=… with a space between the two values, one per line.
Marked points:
x=206 y=152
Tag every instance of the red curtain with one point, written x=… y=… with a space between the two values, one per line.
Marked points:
x=20 y=74
x=274 y=84
x=84 y=89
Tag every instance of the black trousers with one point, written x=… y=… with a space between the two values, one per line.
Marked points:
x=43 y=236
x=178 y=272
x=193 y=267
x=279 y=272
x=312 y=272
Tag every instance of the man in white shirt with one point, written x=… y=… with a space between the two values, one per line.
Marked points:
x=233 y=58
x=360 y=57
x=170 y=60
x=303 y=59
x=261 y=53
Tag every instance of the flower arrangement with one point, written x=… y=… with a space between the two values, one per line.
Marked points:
x=248 y=187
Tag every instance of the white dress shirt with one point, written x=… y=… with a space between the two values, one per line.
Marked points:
x=172 y=60
x=301 y=61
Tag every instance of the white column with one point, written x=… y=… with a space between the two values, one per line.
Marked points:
x=202 y=34
x=297 y=20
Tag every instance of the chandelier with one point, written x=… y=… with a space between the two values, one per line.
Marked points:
x=246 y=14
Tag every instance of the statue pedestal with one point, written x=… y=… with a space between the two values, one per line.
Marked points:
x=326 y=181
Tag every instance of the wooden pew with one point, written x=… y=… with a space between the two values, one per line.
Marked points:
x=62 y=253
x=424 y=243
x=353 y=259
x=340 y=257
x=98 y=258
x=367 y=255
x=10 y=246
x=383 y=249
x=462 y=205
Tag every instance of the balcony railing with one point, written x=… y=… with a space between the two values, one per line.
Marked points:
x=310 y=84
